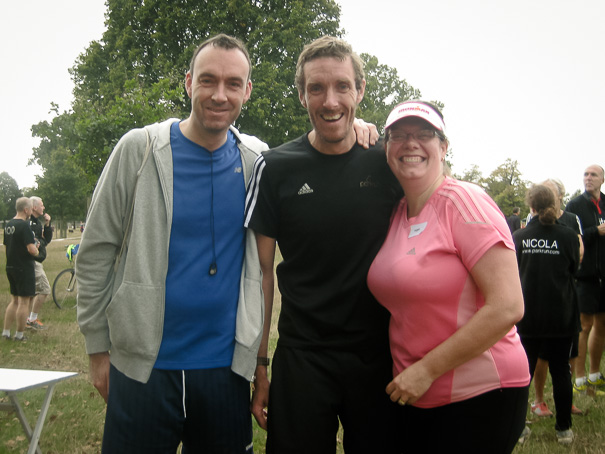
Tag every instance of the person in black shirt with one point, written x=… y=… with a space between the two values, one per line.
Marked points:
x=20 y=252
x=513 y=221
x=590 y=208
x=548 y=255
x=40 y=225
x=327 y=202
x=539 y=407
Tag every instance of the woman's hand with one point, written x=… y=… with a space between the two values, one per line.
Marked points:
x=410 y=385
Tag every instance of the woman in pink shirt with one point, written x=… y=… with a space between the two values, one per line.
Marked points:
x=447 y=273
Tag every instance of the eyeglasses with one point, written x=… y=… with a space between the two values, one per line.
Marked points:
x=424 y=135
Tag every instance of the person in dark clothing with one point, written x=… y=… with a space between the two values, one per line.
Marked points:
x=514 y=221
x=548 y=255
x=590 y=208
x=20 y=252
x=327 y=203
x=539 y=407
x=43 y=231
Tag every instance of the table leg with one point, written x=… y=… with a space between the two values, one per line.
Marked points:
x=33 y=437
x=33 y=446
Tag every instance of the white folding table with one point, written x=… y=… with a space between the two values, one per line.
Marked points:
x=13 y=381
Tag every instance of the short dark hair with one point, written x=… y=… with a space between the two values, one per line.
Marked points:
x=516 y=210
x=224 y=42
x=331 y=47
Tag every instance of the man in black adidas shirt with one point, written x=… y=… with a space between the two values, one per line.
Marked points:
x=327 y=202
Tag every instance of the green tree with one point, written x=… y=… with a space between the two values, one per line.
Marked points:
x=472 y=175
x=384 y=90
x=134 y=75
x=506 y=187
x=63 y=189
x=9 y=193
x=280 y=31
x=568 y=197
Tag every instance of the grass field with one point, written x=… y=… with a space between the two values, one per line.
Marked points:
x=74 y=423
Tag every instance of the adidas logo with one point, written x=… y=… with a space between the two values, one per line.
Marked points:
x=411 y=251
x=306 y=189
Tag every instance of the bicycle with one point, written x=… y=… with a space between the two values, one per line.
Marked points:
x=65 y=286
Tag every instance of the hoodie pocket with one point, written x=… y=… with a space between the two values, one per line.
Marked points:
x=135 y=317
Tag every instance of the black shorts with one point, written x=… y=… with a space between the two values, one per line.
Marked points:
x=575 y=340
x=22 y=282
x=591 y=296
x=544 y=352
x=311 y=390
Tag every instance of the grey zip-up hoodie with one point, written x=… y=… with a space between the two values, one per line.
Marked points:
x=123 y=311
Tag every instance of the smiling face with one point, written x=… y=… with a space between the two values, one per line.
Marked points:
x=331 y=98
x=415 y=161
x=593 y=179
x=218 y=87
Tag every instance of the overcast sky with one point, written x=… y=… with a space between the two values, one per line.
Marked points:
x=520 y=79
x=41 y=40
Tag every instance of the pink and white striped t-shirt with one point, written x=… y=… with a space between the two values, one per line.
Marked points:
x=421 y=275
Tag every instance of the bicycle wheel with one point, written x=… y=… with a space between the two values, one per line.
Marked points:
x=65 y=289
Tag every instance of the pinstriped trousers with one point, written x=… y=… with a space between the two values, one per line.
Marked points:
x=207 y=410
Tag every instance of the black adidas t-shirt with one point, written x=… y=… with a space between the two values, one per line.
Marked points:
x=329 y=215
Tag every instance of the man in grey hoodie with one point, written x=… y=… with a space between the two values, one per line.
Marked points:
x=173 y=314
